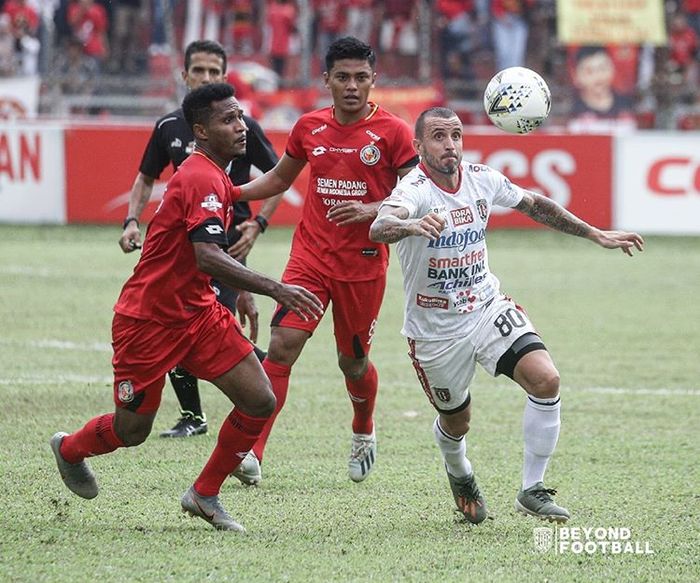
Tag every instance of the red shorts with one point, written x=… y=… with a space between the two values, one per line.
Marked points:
x=355 y=306
x=211 y=344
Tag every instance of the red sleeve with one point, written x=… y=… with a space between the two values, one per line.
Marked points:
x=403 y=151
x=295 y=145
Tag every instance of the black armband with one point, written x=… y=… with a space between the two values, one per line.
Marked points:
x=262 y=221
x=128 y=220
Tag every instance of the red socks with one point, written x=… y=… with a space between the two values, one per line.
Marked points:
x=96 y=438
x=279 y=377
x=363 y=394
x=237 y=435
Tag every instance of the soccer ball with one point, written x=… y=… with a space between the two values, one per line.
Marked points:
x=517 y=100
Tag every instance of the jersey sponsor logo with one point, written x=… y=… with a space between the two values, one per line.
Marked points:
x=211 y=203
x=478 y=168
x=443 y=394
x=319 y=129
x=176 y=143
x=214 y=229
x=335 y=150
x=335 y=187
x=482 y=208
x=462 y=216
x=372 y=135
x=431 y=302
x=319 y=151
x=370 y=155
x=369 y=252
x=190 y=148
x=458 y=239
x=464 y=302
x=467 y=259
x=125 y=392
x=419 y=180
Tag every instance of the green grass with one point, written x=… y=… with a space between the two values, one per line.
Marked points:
x=622 y=331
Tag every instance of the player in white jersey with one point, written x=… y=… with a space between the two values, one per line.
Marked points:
x=456 y=314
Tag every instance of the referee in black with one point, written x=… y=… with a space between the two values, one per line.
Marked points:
x=171 y=142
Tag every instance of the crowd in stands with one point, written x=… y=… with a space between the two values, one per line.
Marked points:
x=640 y=86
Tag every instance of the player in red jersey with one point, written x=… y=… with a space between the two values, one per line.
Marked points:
x=356 y=151
x=167 y=314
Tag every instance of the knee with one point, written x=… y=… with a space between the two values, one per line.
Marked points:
x=546 y=386
x=264 y=404
x=456 y=427
x=353 y=368
x=133 y=436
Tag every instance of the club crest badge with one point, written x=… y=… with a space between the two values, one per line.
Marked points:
x=370 y=155
x=211 y=203
x=442 y=394
x=125 y=392
x=482 y=208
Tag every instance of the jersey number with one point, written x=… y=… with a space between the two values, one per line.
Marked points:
x=508 y=320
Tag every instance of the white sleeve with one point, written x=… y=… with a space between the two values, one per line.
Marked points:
x=407 y=199
x=506 y=194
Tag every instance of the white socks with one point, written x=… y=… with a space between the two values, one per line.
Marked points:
x=454 y=451
x=541 y=424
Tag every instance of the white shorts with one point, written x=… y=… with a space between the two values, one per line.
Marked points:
x=446 y=368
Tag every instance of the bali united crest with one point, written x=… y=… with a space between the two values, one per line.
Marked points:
x=125 y=392
x=482 y=208
x=442 y=394
x=370 y=155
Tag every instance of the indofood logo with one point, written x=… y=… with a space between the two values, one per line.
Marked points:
x=589 y=541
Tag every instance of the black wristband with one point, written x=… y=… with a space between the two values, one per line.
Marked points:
x=262 y=221
x=128 y=220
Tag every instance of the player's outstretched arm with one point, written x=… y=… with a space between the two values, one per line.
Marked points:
x=544 y=210
x=138 y=199
x=213 y=261
x=393 y=224
x=274 y=181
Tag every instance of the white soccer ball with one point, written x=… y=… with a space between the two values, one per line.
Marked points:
x=517 y=100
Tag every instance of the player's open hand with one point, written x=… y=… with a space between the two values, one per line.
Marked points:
x=249 y=231
x=131 y=238
x=350 y=211
x=429 y=226
x=248 y=313
x=301 y=301
x=620 y=240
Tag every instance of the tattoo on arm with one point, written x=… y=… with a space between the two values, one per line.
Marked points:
x=544 y=210
x=390 y=228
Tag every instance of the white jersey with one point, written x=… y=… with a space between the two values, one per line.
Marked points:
x=446 y=280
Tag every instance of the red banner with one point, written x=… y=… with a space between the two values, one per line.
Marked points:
x=102 y=163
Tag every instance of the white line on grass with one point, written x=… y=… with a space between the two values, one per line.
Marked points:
x=62 y=345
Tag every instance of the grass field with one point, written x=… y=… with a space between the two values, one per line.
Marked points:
x=623 y=332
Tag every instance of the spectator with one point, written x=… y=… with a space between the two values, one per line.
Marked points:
x=691 y=8
x=281 y=25
x=124 y=38
x=398 y=37
x=597 y=106
x=683 y=49
x=243 y=19
x=330 y=22
x=24 y=24
x=77 y=71
x=456 y=37
x=360 y=19
x=510 y=29
x=8 y=59
x=88 y=22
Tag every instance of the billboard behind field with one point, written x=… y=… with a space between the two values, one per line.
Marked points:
x=657 y=183
x=32 y=174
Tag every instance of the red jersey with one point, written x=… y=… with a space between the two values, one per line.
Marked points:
x=167 y=286
x=355 y=162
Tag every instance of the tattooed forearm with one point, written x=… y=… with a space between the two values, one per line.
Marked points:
x=388 y=229
x=544 y=210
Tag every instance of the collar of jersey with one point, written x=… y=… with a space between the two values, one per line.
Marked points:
x=209 y=159
x=373 y=108
x=427 y=173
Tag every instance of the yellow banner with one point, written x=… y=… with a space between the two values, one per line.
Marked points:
x=603 y=22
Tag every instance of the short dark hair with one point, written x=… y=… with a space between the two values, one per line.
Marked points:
x=197 y=105
x=587 y=51
x=204 y=46
x=441 y=112
x=349 y=47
